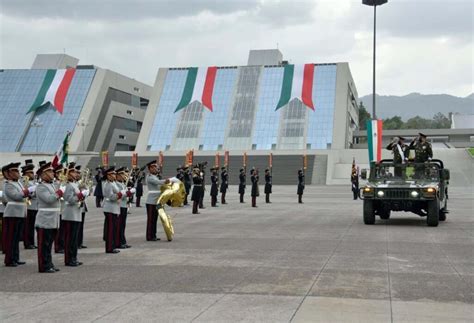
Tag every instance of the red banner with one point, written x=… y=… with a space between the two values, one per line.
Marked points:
x=105 y=159
x=245 y=160
x=134 y=160
x=270 y=160
x=226 y=158
x=305 y=162
x=217 y=160
x=190 y=158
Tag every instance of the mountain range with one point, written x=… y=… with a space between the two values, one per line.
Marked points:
x=416 y=104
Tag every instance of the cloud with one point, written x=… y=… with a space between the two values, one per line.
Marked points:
x=420 y=48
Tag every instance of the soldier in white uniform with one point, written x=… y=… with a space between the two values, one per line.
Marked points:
x=122 y=219
x=71 y=216
x=32 y=206
x=154 y=185
x=14 y=214
x=47 y=218
x=112 y=199
x=84 y=210
x=59 y=239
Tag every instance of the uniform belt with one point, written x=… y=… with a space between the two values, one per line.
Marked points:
x=197 y=184
x=154 y=191
x=51 y=209
x=15 y=203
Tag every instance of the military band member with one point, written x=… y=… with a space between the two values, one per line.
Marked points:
x=2 y=208
x=355 y=183
x=99 y=178
x=214 y=186
x=255 y=192
x=242 y=182
x=32 y=205
x=187 y=177
x=122 y=220
x=300 y=186
x=84 y=210
x=197 y=188
x=139 y=188
x=59 y=239
x=203 y=176
x=423 y=150
x=15 y=195
x=112 y=199
x=154 y=191
x=71 y=216
x=47 y=218
x=268 y=185
x=224 y=184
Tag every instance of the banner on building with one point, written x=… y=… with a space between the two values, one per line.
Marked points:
x=226 y=158
x=105 y=159
x=134 y=160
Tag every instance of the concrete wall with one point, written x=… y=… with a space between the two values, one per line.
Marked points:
x=54 y=61
x=99 y=118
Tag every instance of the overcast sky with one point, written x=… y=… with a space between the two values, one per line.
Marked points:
x=423 y=46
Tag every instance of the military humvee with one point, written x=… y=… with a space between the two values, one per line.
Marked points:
x=421 y=188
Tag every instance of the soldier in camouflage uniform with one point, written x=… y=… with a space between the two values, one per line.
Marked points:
x=400 y=153
x=423 y=153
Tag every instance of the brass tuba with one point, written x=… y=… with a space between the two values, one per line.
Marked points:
x=172 y=194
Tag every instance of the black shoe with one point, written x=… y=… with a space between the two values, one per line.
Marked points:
x=56 y=269
x=30 y=247
x=122 y=247
x=20 y=262
x=13 y=264
x=78 y=263
x=83 y=247
x=48 y=271
x=60 y=251
x=71 y=264
x=128 y=246
x=113 y=251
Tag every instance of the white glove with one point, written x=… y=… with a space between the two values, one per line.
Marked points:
x=1 y=194
x=85 y=193
x=133 y=190
x=32 y=189
x=62 y=188
x=124 y=192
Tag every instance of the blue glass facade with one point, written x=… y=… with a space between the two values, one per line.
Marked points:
x=18 y=90
x=245 y=97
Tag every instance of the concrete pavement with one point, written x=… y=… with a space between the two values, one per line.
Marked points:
x=280 y=262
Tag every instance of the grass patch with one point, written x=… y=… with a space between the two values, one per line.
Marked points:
x=471 y=151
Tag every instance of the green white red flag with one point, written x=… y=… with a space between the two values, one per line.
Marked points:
x=374 y=139
x=297 y=83
x=54 y=89
x=61 y=155
x=199 y=87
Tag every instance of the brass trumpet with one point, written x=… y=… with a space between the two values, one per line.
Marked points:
x=26 y=182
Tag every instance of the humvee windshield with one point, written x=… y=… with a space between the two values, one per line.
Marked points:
x=406 y=172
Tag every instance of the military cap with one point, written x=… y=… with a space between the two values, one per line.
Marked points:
x=78 y=168
x=28 y=161
x=252 y=170
x=153 y=162
x=10 y=166
x=241 y=170
x=109 y=170
x=223 y=167
x=121 y=170
x=401 y=138
x=42 y=162
x=267 y=170
x=72 y=166
x=43 y=168
x=58 y=168
x=27 y=167
x=422 y=134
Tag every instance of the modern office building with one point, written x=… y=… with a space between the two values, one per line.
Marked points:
x=102 y=109
x=267 y=105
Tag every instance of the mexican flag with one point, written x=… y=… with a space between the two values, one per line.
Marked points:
x=374 y=140
x=61 y=155
x=198 y=87
x=297 y=83
x=54 y=89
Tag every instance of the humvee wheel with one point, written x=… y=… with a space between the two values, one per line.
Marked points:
x=432 y=218
x=442 y=212
x=384 y=214
x=369 y=214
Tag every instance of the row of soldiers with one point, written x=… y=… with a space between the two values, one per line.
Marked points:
x=47 y=201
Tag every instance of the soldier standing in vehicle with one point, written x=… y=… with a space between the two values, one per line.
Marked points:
x=400 y=153
x=423 y=150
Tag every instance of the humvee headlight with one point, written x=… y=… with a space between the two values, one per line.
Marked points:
x=380 y=193
x=414 y=194
x=368 y=191
x=430 y=190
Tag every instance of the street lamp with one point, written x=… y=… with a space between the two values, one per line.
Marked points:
x=374 y=3
x=83 y=124
x=37 y=124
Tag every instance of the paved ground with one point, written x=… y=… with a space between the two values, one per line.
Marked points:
x=278 y=263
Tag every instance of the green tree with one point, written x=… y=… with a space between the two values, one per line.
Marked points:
x=440 y=121
x=418 y=123
x=395 y=122
x=363 y=116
